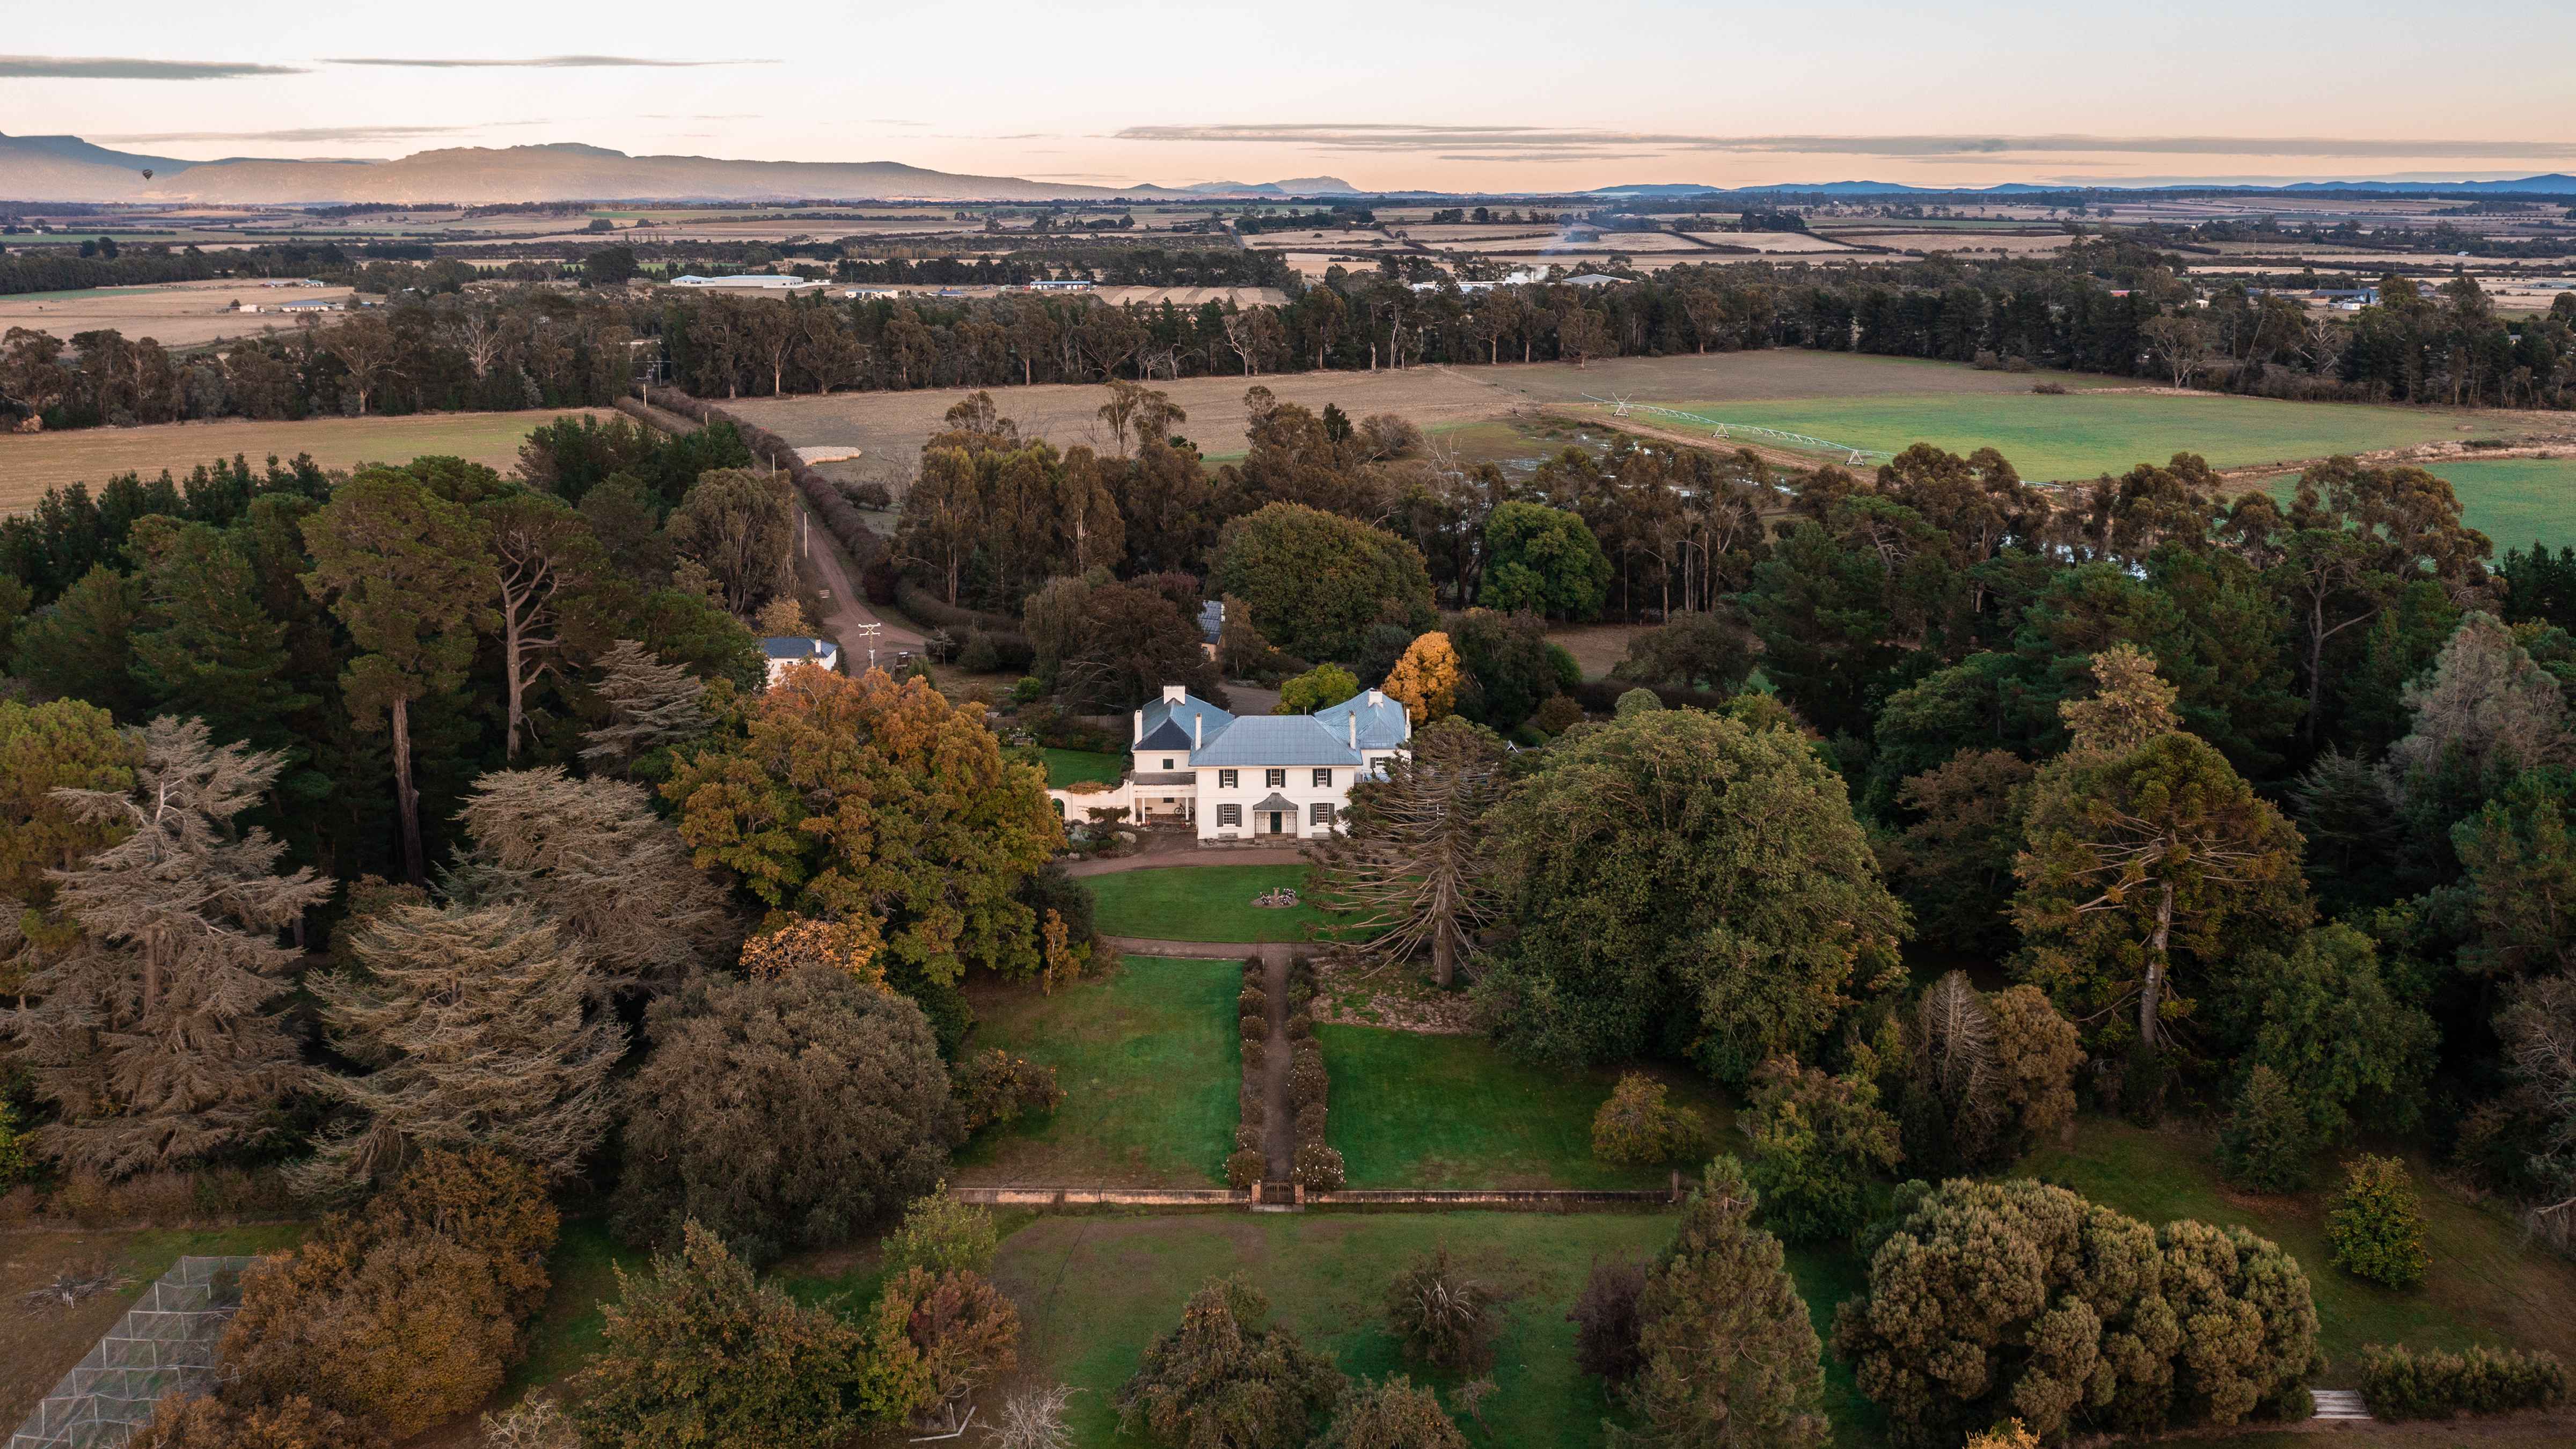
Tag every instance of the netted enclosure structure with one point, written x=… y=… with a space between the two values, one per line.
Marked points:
x=166 y=1341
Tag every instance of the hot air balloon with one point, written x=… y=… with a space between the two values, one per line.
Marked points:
x=147 y=175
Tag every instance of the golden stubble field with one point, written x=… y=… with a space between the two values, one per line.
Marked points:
x=30 y=463
x=176 y=314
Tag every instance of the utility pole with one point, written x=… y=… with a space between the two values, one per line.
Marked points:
x=869 y=632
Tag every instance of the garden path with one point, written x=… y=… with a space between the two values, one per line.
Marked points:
x=1280 y=1141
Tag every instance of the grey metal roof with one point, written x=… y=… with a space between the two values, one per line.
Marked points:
x=1274 y=739
x=1383 y=724
x=1276 y=802
x=787 y=646
x=1161 y=777
x=1159 y=711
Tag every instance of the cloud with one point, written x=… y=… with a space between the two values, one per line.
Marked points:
x=1536 y=143
x=541 y=62
x=104 y=67
x=308 y=133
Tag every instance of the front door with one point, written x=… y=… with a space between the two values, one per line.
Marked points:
x=1275 y=826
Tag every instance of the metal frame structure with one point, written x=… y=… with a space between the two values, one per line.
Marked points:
x=166 y=1343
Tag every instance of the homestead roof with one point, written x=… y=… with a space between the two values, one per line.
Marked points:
x=1275 y=802
x=786 y=646
x=1383 y=722
x=1173 y=725
x=1273 y=740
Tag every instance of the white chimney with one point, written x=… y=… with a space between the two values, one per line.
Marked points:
x=1377 y=699
x=1353 y=720
x=1175 y=693
x=1198 y=730
x=1138 y=738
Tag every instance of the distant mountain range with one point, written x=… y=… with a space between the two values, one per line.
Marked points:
x=66 y=168
x=2555 y=183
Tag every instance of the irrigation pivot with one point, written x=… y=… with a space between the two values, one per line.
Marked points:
x=1620 y=407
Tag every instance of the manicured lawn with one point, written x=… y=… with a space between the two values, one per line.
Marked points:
x=1201 y=903
x=2084 y=434
x=1094 y=1290
x=1069 y=767
x=1413 y=1110
x=2486 y=1285
x=1150 y=1061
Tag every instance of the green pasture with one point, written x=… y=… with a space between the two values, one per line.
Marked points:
x=2089 y=432
x=1069 y=767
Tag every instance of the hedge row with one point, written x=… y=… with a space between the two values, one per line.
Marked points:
x=2400 y=1383
x=839 y=515
x=1250 y=1162
x=1315 y=1166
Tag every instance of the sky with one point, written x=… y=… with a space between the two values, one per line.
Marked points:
x=1503 y=95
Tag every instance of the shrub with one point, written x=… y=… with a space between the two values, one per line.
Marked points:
x=1557 y=714
x=2400 y=1383
x=1253 y=1001
x=1605 y=1319
x=1636 y=702
x=218 y=1423
x=2007 y=1435
x=1307 y=1083
x=1636 y=1125
x=1310 y=1122
x=407 y=1313
x=2377 y=1226
x=1246 y=1166
x=2264 y=1144
x=696 y=1352
x=1254 y=1028
x=784 y=1112
x=1301 y=1027
x=1820 y=1144
x=931 y=1338
x=1391 y=1415
x=941 y=1234
x=995 y=1088
x=1248 y=1137
x=1440 y=1315
x=1256 y=1055
x=1223 y=1381
x=2049 y=389
x=1317 y=1168
x=537 y=1423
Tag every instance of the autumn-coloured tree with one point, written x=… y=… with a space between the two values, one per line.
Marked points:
x=591 y=858
x=1425 y=680
x=1411 y=871
x=475 y=1027
x=411 y=576
x=2484 y=706
x=1391 y=1414
x=1728 y=1357
x=871 y=803
x=1636 y=1124
x=211 y=1422
x=932 y=1339
x=154 y=1032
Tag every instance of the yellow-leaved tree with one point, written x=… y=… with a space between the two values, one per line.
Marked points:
x=1426 y=679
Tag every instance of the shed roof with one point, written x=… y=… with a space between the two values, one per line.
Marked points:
x=788 y=646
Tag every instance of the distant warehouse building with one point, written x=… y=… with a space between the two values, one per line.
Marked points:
x=1048 y=284
x=761 y=281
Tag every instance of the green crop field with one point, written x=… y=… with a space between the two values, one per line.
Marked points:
x=2516 y=501
x=2086 y=433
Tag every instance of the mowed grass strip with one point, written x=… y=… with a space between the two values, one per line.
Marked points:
x=1094 y=1290
x=2487 y=1286
x=1414 y=1110
x=1150 y=1061
x=1071 y=767
x=2088 y=433
x=30 y=463
x=1202 y=903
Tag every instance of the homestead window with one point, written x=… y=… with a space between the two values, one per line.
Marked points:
x=1319 y=814
x=1167 y=764
x=1275 y=779
x=1225 y=779
x=1323 y=779
x=1229 y=815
